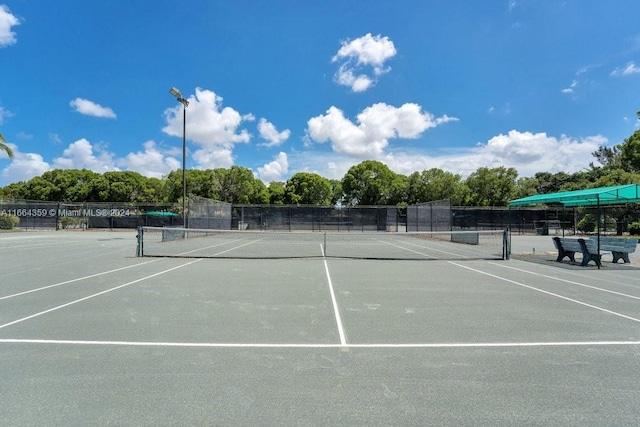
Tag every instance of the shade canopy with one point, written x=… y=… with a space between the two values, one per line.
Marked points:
x=161 y=213
x=616 y=195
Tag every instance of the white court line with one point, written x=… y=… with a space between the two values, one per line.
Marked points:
x=547 y=292
x=339 y=346
x=406 y=249
x=220 y=244
x=432 y=248
x=568 y=281
x=343 y=340
x=97 y=294
x=75 y=280
x=47 y=244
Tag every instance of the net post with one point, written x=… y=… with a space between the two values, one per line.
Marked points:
x=139 y=245
x=324 y=244
x=505 y=245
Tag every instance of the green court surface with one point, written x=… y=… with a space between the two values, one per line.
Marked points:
x=91 y=334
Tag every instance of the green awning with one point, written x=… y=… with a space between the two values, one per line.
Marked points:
x=161 y=213
x=616 y=195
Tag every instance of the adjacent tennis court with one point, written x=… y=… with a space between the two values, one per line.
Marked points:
x=92 y=334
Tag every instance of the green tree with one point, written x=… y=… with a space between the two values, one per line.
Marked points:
x=276 y=193
x=336 y=192
x=4 y=147
x=306 y=188
x=399 y=191
x=491 y=187
x=126 y=186
x=153 y=190
x=238 y=185
x=630 y=153
x=38 y=188
x=624 y=156
x=69 y=185
x=368 y=183
x=608 y=157
x=202 y=183
x=617 y=177
x=98 y=189
x=562 y=181
x=172 y=188
x=526 y=187
x=13 y=190
x=435 y=184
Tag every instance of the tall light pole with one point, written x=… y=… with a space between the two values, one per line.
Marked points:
x=176 y=92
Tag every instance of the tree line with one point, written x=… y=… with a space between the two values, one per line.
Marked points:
x=367 y=183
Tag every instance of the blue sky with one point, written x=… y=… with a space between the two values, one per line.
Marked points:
x=287 y=86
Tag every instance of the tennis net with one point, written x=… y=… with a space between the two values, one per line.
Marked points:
x=199 y=243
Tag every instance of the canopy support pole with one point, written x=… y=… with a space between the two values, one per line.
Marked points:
x=598 y=227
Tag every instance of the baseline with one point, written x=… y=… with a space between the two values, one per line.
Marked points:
x=339 y=346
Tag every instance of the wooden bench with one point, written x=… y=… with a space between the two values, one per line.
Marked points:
x=620 y=248
x=567 y=247
x=590 y=252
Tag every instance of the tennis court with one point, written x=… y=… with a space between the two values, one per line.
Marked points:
x=92 y=334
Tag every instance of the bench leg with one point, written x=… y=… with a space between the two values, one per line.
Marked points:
x=617 y=255
x=562 y=253
x=587 y=257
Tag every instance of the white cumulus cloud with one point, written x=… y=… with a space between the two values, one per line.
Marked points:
x=90 y=108
x=269 y=133
x=25 y=166
x=369 y=137
x=358 y=57
x=275 y=170
x=7 y=22
x=213 y=128
x=217 y=157
x=152 y=161
x=527 y=152
x=81 y=154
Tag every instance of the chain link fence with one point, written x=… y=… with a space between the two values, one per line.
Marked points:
x=212 y=214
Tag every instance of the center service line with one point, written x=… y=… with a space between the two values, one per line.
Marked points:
x=343 y=341
x=98 y=294
x=547 y=292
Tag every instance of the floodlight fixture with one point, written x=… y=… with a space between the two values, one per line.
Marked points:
x=176 y=92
